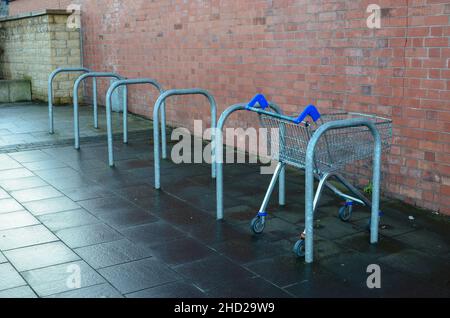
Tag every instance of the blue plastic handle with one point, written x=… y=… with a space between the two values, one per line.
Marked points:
x=258 y=99
x=310 y=111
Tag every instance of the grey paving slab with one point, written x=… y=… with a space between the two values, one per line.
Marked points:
x=35 y=194
x=248 y=288
x=9 y=205
x=112 y=253
x=62 y=183
x=3 y=194
x=332 y=227
x=2 y=258
x=39 y=256
x=171 y=290
x=396 y=284
x=152 y=233
x=96 y=291
x=88 y=235
x=211 y=232
x=213 y=272
x=106 y=205
x=139 y=275
x=421 y=265
x=350 y=267
x=44 y=165
x=16 y=219
x=7 y=163
x=22 y=183
x=126 y=218
x=49 y=174
x=87 y=192
x=9 y=277
x=25 y=236
x=426 y=241
x=86 y=165
x=18 y=292
x=62 y=278
x=137 y=192
x=51 y=205
x=252 y=248
x=67 y=219
x=184 y=250
x=15 y=173
x=30 y=156
x=323 y=285
x=392 y=226
x=360 y=242
x=283 y=270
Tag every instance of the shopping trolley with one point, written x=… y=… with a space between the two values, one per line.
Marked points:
x=288 y=139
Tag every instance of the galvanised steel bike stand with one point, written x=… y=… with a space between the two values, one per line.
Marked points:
x=75 y=100
x=50 y=93
x=111 y=90
x=309 y=178
x=161 y=100
x=219 y=158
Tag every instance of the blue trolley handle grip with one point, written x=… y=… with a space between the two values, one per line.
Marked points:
x=258 y=99
x=310 y=111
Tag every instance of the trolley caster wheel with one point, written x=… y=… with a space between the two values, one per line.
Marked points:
x=345 y=213
x=257 y=225
x=299 y=248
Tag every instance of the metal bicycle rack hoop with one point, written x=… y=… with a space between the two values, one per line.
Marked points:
x=75 y=100
x=111 y=90
x=219 y=158
x=162 y=98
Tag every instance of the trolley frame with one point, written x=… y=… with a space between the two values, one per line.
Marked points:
x=311 y=172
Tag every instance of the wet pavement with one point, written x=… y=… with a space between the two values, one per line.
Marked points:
x=25 y=125
x=64 y=212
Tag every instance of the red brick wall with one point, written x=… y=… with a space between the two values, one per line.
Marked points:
x=297 y=52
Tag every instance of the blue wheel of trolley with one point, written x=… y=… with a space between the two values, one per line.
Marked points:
x=345 y=212
x=257 y=224
x=299 y=248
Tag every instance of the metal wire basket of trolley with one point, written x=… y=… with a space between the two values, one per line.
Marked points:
x=336 y=141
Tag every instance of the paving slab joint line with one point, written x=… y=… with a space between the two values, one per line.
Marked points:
x=136 y=135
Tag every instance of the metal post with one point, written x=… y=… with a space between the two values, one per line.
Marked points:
x=376 y=185
x=94 y=101
x=125 y=115
x=309 y=179
x=50 y=90
x=111 y=90
x=281 y=186
x=219 y=158
x=157 y=167
x=163 y=131
x=159 y=103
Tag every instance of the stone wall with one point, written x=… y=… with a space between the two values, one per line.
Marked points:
x=34 y=45
x=21 y=6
